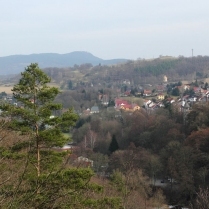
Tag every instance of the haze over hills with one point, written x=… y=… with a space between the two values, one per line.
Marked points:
x=15 y=64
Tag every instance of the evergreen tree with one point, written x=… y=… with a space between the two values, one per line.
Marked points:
x=206 y=85
x=70 y=84
x=34 y=116
x=3 y=94
x=113 y=145
x=175 y=91
x=42 y=178
x=35 y=112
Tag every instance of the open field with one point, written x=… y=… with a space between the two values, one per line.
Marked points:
x=53 y=84
x=190 y=81
x=6 y=89
x=136 y=100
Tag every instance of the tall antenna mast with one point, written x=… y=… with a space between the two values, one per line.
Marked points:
x=192 y=52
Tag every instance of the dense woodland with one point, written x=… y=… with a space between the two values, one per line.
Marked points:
x=163 y=145
x=141 y=160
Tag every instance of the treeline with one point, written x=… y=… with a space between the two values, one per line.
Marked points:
x=157 y=67
x=138 y=72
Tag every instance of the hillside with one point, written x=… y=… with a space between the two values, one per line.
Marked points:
x=137 y=72
x=16 y=63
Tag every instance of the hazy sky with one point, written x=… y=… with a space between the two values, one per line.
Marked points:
x=106 y=28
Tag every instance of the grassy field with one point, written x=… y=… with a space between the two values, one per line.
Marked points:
x=136 y=100
x=6 y=89
x=53 y=85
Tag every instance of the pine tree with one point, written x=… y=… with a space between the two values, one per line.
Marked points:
x=34 y=115
x=42 y=179
x=113 y=145
x=35 y=110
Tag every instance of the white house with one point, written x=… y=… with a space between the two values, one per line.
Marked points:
x=94 y=109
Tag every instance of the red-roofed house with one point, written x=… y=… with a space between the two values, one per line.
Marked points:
x=147 y=92
x=197 y=89
x=120 y=102
x=160 y=88
x=125 y=105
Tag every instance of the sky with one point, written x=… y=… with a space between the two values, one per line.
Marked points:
x=108 y=29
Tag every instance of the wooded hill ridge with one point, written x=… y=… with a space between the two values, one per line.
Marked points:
x=16 y=63
x=138 y=72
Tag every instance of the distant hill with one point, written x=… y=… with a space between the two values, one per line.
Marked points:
x=16 y=63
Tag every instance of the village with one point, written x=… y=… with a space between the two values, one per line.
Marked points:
x=181 y=96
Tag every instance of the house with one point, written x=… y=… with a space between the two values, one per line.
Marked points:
x=86 y=112
x=135 y=107
x=152 y=105
x=185 y=97
x=127 y=93
x=104 y=99
x=197 y=90
x=125 y=107
x=192 y=99
x=161 y=96
x=147 y=93
x=79 y=161
x=205 y=93
x=185 y=107
x=186 y=87
x=121 y=104
x=170 y=100
x=94 y=109
x=32 y=101
x=160 y=104
x=71 y=147
x=130 y=107
x=160 y=88
x=126 y=81
x=147 y=102
x=85 y=161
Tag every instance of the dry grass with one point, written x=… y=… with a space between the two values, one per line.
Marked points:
x=206 y=80
x=53 y=84
x=190 y=81
x=78 y=75
x=136 y=100
x=6 y=89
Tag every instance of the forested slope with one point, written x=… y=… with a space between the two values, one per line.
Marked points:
x=138 y=72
